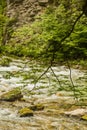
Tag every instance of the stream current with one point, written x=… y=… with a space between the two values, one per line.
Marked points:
x=54 y=90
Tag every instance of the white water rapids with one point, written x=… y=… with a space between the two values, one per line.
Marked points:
x=47 y=91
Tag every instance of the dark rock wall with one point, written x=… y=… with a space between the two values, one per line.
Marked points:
x=25 y=10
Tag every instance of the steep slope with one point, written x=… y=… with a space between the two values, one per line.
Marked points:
x=25 y=10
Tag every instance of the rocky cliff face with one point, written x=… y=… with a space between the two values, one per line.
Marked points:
x=25 y=10
x=22 y=13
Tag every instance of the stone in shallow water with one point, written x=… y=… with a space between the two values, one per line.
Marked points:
x=12 y=95
x=37 y=107
x=25 y=112
x=4 y=112
x=77 y=112
x=84 y=117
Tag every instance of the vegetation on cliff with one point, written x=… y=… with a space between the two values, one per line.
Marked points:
x=59 y=32
x=2 y=18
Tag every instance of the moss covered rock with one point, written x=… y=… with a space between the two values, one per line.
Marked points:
x=84 y=117
x=37 y=107
x=24 y=112
x=5 y=61
x=12 y=95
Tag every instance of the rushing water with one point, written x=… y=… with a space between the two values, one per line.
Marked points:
x=54 y=90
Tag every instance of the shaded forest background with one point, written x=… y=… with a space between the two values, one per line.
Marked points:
x=58 y=29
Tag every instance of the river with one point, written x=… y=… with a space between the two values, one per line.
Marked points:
x=53 y=90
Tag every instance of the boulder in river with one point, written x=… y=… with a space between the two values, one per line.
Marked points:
x=37 y=107
x=25 y=112
x=77 y=112
x=84 y=117
x=12 y=95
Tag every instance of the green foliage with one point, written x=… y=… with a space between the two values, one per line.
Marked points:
x=2 y=6
x=47 y=31
x=77 y=42
x=36 y=37
x=2 y=25
x=3 y=18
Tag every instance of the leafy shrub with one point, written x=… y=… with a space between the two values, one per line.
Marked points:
x=47 y=32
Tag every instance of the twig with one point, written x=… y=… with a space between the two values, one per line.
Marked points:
x=40 y=78
x=73 y=26
x=48 y=79
x=56 y=76
x=55 y=49
x=72 y=83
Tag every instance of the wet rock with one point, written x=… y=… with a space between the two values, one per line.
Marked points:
x=25 y=112
x=4 y=112
x=12 y=95
x=37 y=107
x=84 y=117
x=77 y=112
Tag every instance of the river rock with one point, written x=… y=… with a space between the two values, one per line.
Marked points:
x=12 y=95
x=25 y=112
x=77 y=112
x=84 y=117
x=37 y=107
